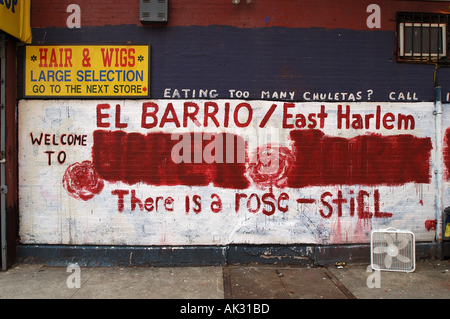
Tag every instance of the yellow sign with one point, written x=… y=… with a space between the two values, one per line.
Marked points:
x=63 y=71
x=15 y=19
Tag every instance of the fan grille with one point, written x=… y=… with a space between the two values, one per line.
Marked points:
x=393 y=250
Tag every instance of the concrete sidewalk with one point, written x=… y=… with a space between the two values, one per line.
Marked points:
x=430 y=280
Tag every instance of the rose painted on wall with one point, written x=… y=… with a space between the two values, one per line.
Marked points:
x=82 y=181
x=269 y=166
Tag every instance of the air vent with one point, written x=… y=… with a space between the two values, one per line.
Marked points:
x=153 y=10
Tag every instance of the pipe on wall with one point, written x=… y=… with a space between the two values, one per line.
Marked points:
x=439 y=170
x=3 y=148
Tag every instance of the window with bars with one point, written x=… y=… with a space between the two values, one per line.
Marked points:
x=422 y=37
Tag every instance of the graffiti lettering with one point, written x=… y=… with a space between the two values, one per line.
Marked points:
x=155 y=115
x=156 y=203
x=359 y=122
x=63 y=139
x=403 y=97
x=187 y=93
x=282 y=95
x=301 y=121
x=151 y=118
x=362 y=207
x=149 y=204
x=361 y=204
x=308 y=96
x=269 y=203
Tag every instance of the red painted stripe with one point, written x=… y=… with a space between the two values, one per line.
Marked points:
x=318 y=160
x=363 y=160
x=306 y=201
x=446 y=154
x=268 y=115
x=136 y=158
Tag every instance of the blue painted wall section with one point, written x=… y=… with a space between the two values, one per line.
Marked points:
x=100 y=256
x=311 y=64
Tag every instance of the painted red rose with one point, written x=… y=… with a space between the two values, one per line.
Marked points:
x=82 y=181
x=269 y=166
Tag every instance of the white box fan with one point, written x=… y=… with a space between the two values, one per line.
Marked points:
x=392 y=250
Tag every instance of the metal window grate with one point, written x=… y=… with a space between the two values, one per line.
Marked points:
x=422 y=37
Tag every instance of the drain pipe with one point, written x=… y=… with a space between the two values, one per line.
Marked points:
x=438 y=170
x=2 y=148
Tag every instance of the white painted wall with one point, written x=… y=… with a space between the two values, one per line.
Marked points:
x=49 y=215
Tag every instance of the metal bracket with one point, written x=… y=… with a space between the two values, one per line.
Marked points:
x=3 y=189
x=2 y=155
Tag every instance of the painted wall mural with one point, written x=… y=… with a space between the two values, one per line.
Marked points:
x=217 y=172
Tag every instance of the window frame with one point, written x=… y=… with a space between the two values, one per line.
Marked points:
x=423 y=21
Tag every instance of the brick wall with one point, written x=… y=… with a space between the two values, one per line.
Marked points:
x=259 y=13
x=308 y=53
